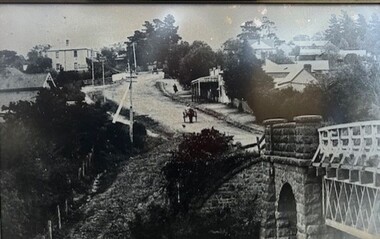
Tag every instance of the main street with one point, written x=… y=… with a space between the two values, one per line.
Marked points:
x=148 y=100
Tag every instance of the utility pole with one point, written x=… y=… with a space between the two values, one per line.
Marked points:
x=92 y=68
x=130 y=98
x=103 y=71
x=134 y=57
x=103 y=59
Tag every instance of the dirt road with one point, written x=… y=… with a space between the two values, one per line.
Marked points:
x=149 y=101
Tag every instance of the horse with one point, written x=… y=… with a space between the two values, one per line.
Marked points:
x=190 y=113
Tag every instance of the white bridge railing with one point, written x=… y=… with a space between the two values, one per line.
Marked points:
x=353 y=144
x=348 y=156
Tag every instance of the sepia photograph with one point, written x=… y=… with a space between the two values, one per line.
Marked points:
x=190 y=121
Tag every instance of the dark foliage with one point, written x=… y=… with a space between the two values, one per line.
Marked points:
x=242 y=221
x=286 y=103
x=197 y=165
x=43 y=145
x=243 y=75
x=196 y=63
x=39 y=65
x=154 y=42
x=37 y=62
x=11 y=59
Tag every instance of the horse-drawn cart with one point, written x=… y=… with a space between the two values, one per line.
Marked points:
x=189 y=113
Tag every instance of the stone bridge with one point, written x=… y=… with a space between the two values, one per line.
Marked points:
x=311 y=181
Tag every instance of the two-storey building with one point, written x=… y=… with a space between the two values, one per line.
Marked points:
x=70 y=58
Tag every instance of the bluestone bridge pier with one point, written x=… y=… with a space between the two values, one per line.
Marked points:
x=312 y=181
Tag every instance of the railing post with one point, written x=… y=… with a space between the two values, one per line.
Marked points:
x=59 y=217
x=50 y=229
x=66 y=208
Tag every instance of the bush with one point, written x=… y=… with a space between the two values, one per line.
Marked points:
x=242 y=221
x=287 y=103
x=197 y=159
x=46 y=142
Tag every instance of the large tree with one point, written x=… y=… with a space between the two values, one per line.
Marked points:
x=258 y=29
x=242 y=71
x=196 y=63
x=350 y=90
x=349 y=30
x=154 y=42
x=333 y=33
x=373 y=36
x=37 y=61
x=176 y=54
x=11 y=59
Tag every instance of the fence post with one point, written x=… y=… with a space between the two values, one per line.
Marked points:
x=66 y=208
x=258 y=144
x=83 y=171
x=50 y=230
x=79 y=173
x=59 y=217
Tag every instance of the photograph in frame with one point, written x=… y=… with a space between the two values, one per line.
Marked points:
x=190 y=120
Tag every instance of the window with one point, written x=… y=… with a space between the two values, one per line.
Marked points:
x=75 y=53
x=75 y=66
x=58 y=67
x=57 y=54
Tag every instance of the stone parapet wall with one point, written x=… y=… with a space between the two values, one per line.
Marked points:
x=297 y=139
x=246 y=183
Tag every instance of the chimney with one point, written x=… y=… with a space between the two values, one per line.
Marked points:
x=67 y=42
x=307 y=67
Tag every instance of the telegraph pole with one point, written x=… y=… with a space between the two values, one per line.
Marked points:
x=92 y=69
x=134 y=57
x=102 y=60
x=103 y=71
x=130 y=98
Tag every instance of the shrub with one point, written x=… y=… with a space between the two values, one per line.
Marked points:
x=242 y=221
x=46 y=142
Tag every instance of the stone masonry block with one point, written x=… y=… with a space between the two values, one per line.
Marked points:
x=290 y=147
x=313 y=219
x=306 y=139
x=313 y=229
x=268 y=233
x=307 y=131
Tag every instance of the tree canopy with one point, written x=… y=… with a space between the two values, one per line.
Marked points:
x=11 y=59
x=242 y=71
x=154 y=42
x=37 y=61
x=196 y=63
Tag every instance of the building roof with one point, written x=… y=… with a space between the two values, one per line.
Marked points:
x=343 y=53
x=13 y=79
x=317 y=65
x=265 y=44
x=293 y=73
x=292 y=70
x=205 y=79
x=271 y=67
x=69 y=49
x=311 y=52
x=310 y=43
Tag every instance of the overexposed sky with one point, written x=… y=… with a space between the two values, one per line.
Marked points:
x=23 y=26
